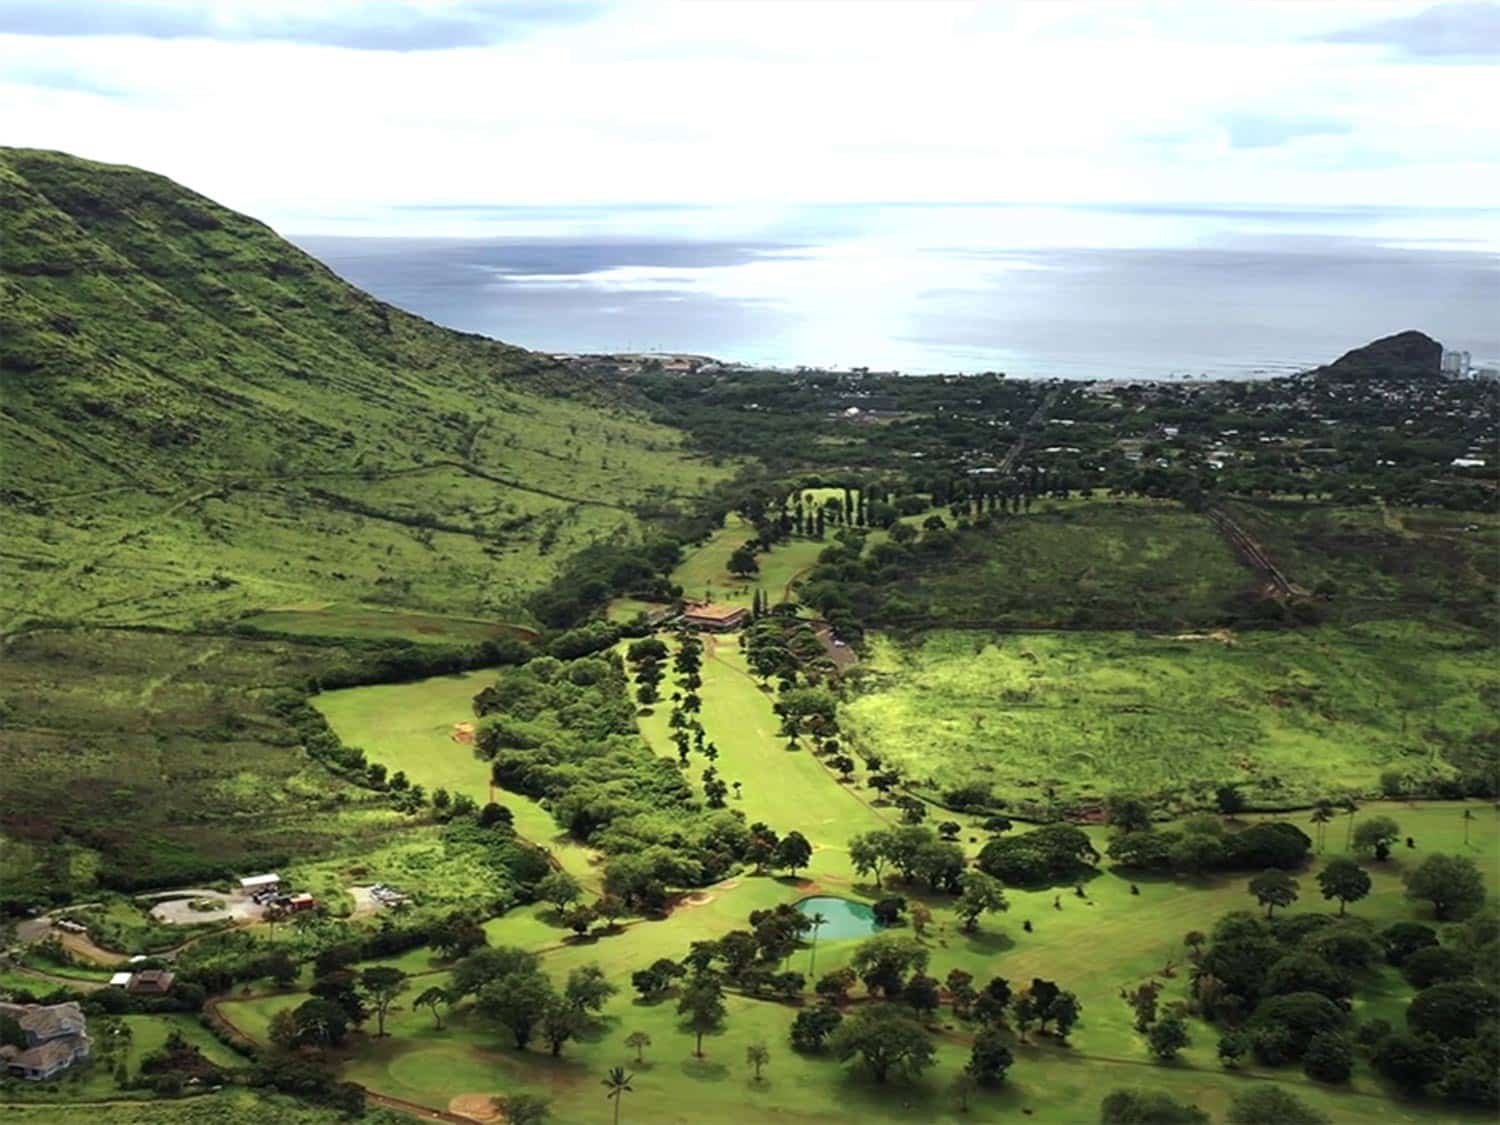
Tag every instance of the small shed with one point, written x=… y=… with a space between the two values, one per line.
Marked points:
x=120 y=980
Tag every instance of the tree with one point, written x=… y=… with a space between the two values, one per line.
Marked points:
x=524 y=1109
x=869 y=852
x=813 y=1026
x=611 y=908
x=517 y=1001
x=1229 y=800
x=1344 y=880
x=1329 y=1058
x=818 y=920
x=1451 y=883
x=990 y=1057
x=1194 y=940
x=1062 y=1011
x=885 y=960
x=1142 y=1001
x=742 y=562
x=1468 y=819
x=921 y=918
x=580 y=918
x=1322 y=814
x=757 y=1055
x=1127 y=813
x=922 y=994
x=588 y=989
x=981 y=894
x=1402 y=939
x=638 y=1041
x=618 y=1084
x=560 y=1022
x=793 y=852
x=992 y=1001
x=886 y=1039
x=1452 y=1010
x=1411 y=1062
x=702 y=1002
x=382 y=984
x=1167 y=1037
x=1147 y=1107
x=1265 y=1104
x=1375 y=836
x=435 y=999
x=560 y=889
x=1273 y=888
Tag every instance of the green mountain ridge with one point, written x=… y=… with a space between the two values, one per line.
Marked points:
x=198 y=419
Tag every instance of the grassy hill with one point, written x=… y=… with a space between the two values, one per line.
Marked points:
x=201 y=425
x=200 y=420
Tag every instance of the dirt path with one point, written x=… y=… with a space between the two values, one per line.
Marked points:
x=1253 y=555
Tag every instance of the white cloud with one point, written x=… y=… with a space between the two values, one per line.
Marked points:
x=770 y=105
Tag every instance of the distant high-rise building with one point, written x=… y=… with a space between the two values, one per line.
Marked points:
x=1456 y=364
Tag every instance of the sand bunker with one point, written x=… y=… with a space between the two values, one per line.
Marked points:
x=463 y=732
x=477 y=1107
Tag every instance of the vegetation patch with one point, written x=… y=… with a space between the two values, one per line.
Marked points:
x=1048 y=721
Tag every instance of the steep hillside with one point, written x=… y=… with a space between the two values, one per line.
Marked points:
x=198 y=420
x=1406 y=355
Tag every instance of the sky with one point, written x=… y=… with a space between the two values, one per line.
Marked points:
x=404 y=117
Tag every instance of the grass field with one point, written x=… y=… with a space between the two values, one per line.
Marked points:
x=1094 y=949
x=1384 y=562
x=336 y=619
x=177 y=767
x=1099 y=563
x=1290 y=716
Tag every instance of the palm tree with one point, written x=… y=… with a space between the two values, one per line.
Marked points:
x=1468 y=816
x=818 y=920
x=1321 y=816
x=1351 y=806
x=640 y=1041
x=618 y=1084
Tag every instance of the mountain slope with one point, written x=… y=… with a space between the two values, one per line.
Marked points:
x=1406 y=355
x=198 y=419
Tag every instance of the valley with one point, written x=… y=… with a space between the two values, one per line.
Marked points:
x=300 y=585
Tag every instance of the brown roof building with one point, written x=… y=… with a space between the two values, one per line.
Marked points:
x=154 y=981
x=716 y=618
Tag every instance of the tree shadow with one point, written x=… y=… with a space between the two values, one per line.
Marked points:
x=988 y=941
x=704 y=1070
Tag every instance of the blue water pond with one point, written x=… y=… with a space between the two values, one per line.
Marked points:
x=845 y=919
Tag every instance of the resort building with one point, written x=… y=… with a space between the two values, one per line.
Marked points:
x=56 y=1038
x=716 y=618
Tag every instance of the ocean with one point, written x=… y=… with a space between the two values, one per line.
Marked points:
x=1070 y=292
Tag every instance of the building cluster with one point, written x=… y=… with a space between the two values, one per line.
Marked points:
x=269 y=891
x=56 y=1038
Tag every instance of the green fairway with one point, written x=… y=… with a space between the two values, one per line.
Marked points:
x=788 y=789
x=1290 y=717
x=413 y=727
x=704 y=573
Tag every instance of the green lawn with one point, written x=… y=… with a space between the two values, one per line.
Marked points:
x=1094 y=949
x=1290 y=716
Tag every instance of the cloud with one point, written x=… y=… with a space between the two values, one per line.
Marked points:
x=1252 y=131
x=60 y=79
x=384 y=26
x=1461 y=32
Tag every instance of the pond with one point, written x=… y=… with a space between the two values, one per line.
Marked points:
x=846 y=919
